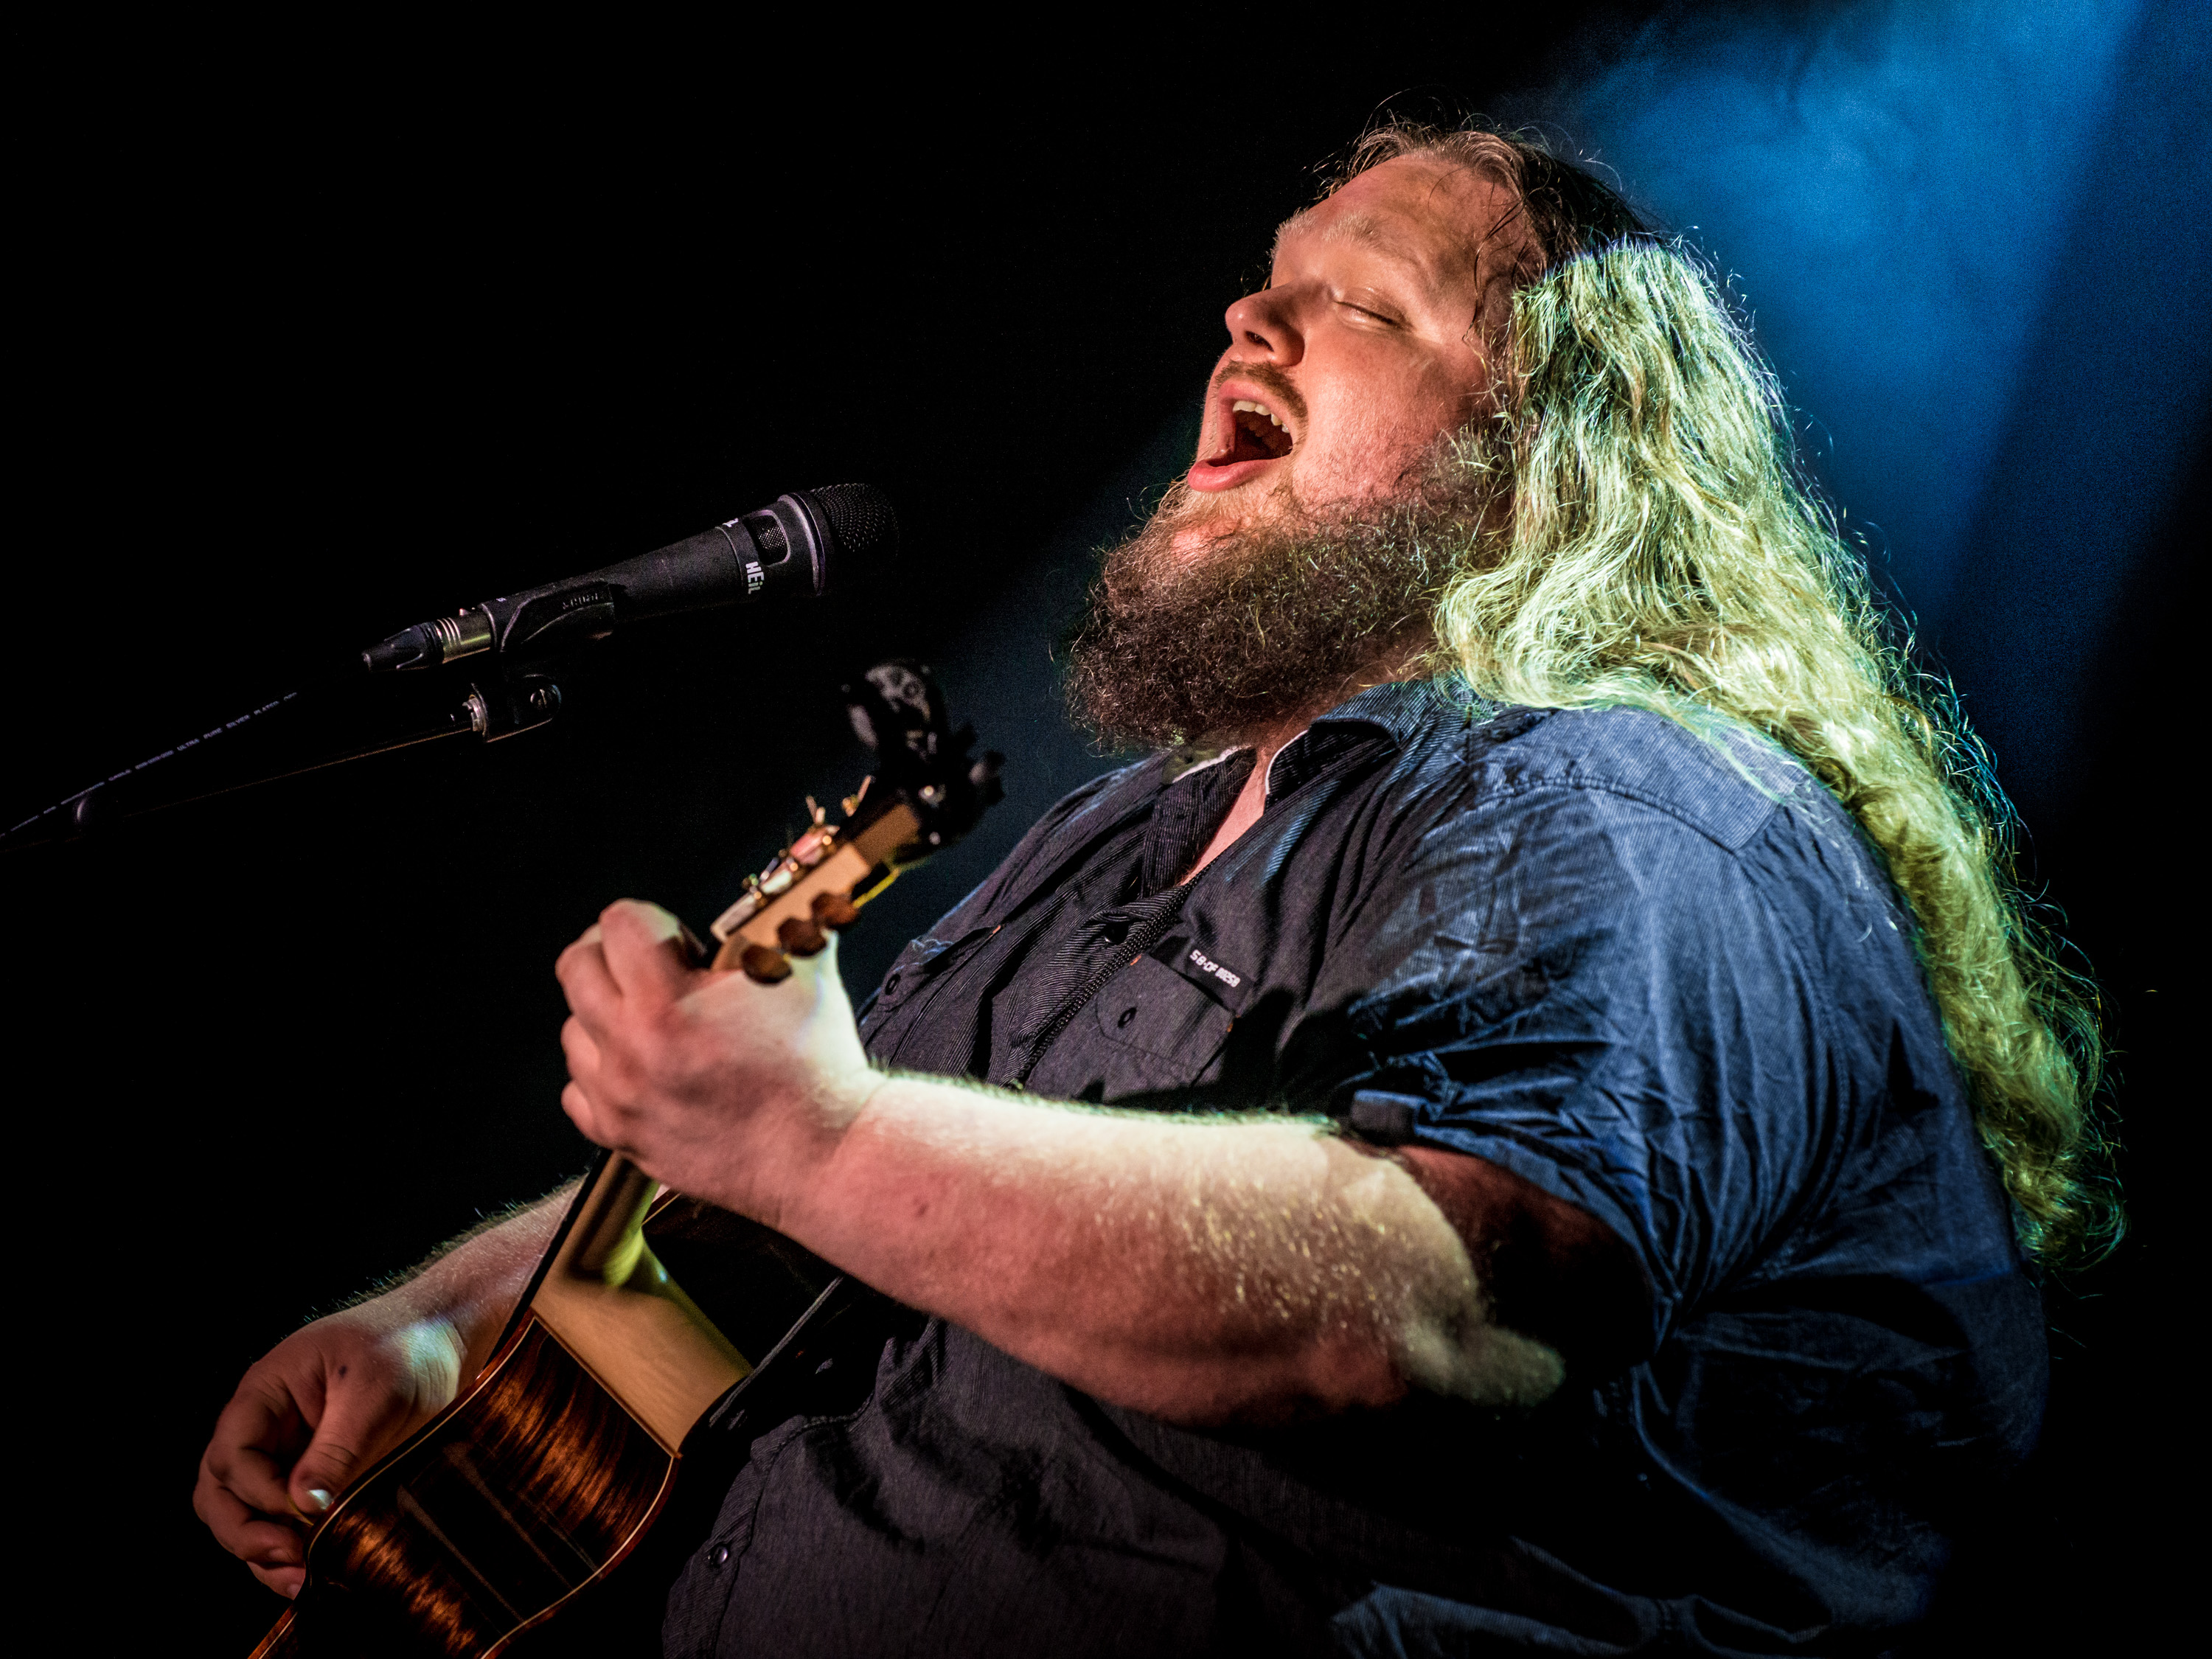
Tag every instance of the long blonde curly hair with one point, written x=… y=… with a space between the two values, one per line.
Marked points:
x=1663 y=549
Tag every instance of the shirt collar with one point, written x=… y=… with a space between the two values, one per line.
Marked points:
x=1400 y=709
x=1200 y=788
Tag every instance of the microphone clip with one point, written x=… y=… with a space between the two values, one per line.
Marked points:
x=534 y=627
x=548 y=623
x=499 y=707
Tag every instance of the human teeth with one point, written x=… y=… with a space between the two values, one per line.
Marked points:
x=1242 y=405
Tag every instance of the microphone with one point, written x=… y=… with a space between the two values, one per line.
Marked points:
x=799 y=546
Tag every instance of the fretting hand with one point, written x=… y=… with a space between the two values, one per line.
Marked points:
x=724 y=1088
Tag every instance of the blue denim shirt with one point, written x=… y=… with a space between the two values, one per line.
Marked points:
x=1661 y=976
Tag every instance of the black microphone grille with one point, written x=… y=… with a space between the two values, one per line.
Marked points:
x=862 y=520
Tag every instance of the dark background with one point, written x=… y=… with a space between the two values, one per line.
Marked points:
x=317 y=336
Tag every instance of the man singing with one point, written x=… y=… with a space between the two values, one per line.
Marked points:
x=1521 y=1127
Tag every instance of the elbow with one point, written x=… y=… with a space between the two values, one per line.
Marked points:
x=1479 y=1361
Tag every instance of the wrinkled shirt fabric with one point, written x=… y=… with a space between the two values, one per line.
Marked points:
x=1660 y=974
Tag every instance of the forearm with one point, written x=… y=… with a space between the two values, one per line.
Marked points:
x=469 y=1287
x=1201 y=1269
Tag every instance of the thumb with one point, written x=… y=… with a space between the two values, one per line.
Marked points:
x=359 y=1421
x=648 y=950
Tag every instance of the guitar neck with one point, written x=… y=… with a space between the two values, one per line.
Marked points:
x=840 y=864
x=600 y=1247
x=609 y=1227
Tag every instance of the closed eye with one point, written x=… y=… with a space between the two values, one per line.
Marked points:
x=1369 y=312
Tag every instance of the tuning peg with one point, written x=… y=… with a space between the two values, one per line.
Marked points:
x=763 y=965
x=799 y=936
x=834 y=910
x=852 y=802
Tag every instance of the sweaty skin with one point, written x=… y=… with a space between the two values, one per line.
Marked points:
x=1261 y=1268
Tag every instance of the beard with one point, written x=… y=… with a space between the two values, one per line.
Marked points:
x=1275 y=615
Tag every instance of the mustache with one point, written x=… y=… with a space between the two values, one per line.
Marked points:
x=1269 y=379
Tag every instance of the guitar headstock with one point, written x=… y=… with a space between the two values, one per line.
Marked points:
x=926 y=792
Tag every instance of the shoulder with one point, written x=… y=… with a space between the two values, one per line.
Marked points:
x=1074 y=823
x=1626 y=788
x=1726 y=784
x=1106 y=797
x=1620 y=824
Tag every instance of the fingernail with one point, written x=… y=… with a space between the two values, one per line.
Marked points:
x=318 y=1499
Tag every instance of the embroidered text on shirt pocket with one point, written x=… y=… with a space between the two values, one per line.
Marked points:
x=1221 y=982
x=1149 y=1007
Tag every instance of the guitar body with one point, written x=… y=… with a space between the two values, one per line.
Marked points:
x=531 y=1487
x=512 y=1505
x=516 y=1502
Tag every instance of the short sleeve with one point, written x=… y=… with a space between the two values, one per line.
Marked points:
x=1585 y=990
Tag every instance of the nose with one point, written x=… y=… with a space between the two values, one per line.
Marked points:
x=1262 y=322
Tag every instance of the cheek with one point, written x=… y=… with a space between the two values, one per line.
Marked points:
x=1364 y=447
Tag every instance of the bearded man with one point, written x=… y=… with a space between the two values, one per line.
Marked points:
x=1519 y=1128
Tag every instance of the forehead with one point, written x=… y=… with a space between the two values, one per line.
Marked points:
x=1435 y=219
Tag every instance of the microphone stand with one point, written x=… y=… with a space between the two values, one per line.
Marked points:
x=336 y=720
x=788 y=547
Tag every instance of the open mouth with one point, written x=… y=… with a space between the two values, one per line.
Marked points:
x=1256 y=434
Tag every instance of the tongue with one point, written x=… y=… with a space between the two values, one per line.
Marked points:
x=1248 y=445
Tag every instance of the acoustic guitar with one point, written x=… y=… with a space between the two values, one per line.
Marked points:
x=513 y=1506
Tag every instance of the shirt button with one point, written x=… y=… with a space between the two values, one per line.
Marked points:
x=722 y=1555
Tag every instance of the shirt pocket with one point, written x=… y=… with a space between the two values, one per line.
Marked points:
x=1150 y=1029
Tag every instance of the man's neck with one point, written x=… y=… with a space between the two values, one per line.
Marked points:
x=1402 y=662
x=1244 y=812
